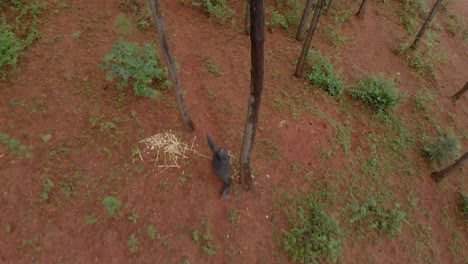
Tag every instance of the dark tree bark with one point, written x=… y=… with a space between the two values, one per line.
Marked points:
x=426 y=24
x=305 y=48
x=362 y=9
x=457 y=96
x=305 y=16
x=329 y=7
x=257 y=40
x=247 y=17
x=439 y=175
x=159 y=23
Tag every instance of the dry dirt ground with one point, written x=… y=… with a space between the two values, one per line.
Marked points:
x=84 y=134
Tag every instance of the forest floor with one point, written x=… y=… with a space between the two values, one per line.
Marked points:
x=70 y=140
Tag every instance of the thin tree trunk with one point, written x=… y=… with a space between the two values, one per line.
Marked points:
x=362 y=9
x=305 y=15
x=305 y=48
x=257 y=40
x=426 y=24
x=159 y=23
x=439 y=175
x=247 y=17
x=329 y=7
x=457 y=96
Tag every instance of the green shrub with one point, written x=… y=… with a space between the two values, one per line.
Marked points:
x=378 y=93
x=129 y=62
x=323 y=75
x=11 y=48
x=411 y=13
x=314 y=236
x=216 y=8
x=465 y=205
x=442 y=149
x=374 y=216
x=276 y=19
x=15 y=147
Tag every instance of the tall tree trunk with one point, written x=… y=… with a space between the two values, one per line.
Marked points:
x=247 y=17
x=362 y=9
x=257 y=40
x=159 y=23
x=457 y=96
x=305 y=48
x=305 y=15
x=426 y=24
x=329 y=7
x=439 y=175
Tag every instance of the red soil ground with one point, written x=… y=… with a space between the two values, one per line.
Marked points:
x=63 y=74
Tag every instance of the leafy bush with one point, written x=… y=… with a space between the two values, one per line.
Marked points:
x=202 y=237
x=11 y=48
x=442 y=149
x=216 y=8
x=323 y=75
x=129 y=62
x=378 y=93
x=314 y=236
x=112 y=204
x=375 y=216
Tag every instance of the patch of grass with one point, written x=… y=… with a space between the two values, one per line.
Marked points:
x=46 y=188
x=373 y=216
x=268 y=149
x=76 y=35
x=424 y=61
x=133 y=243
x=464 y=204
x=411 y=13
x=202 y=237
x=457 y=26
x=128 y=62
x=333 y=36
x=124 y=25
x=90 y=219
x=378 y=92
x=155 y=235
x=15 y=147
x=112 y=204
x=314 y=236
x=442 y=149
x=232 y=215
x=212 y=66
x=276 y=19
x=133 y=217
x=219 y=9
x=323 y=74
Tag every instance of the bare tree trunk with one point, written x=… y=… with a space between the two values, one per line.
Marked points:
x=457 y=96
x=305 y=48
x=158 y=21
x=329 y=7
x=247 y=17
x=362 y=9
x=426 y=24
x=257 y=40
x=305 y=15
x=439 y=175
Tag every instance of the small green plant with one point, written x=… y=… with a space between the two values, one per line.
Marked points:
x=457 y=26
x=129 y=62
x=218 y=9
x=202 y=237
x=112 y=204
x=410 y=14
x=314 y=236
x=15 y=147
x=378 y=92
x=151 y=232
x=442 y=149
x=90 y=219
x=323 y=74
x=276 y=19
x=133 y=217
x=233 y=216
x=76 y=35
x=132 y=243
x=372 y=216
x=11 y=48
x=212 y=66
x=464 y=205
x=333 y=36
x=424 y=61
x=46 y=188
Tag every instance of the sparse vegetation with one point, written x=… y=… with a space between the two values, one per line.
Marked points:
x=133 y=243
x=128 y=62
x=15 y=147
x=373 y=216
x=378 y=92
x=442 y=149
x=323 y=74
x=218 y=9
x=202 y=237
x=314 y=236
x=46 y=188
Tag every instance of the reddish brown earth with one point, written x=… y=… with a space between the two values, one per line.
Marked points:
x=64 y=75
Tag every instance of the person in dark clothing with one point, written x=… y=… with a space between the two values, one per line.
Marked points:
x=221 y=165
